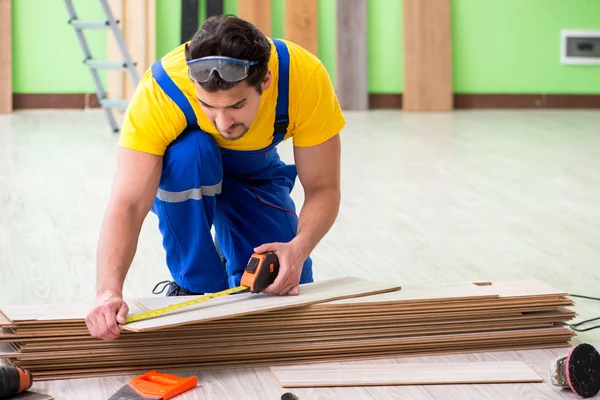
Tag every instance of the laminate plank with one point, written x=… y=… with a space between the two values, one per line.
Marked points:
x=409 y=336
x=57 y=313
x=5 y=322
x=405 y=374
x=138 y=27
x=127 y=367
x=428 y=294
x=529 y=289
x=33 y=351
x=150 y=32
x=83 y=348
x=300 y=24
x=350 y=334
x=61 y=314
x=208 y=331
x=257 y=12
x=362 y=316
x=322 y=347
x=427 y=56
x=6 y=104
x=215 y=360
x=503 y=289
x=248 y=303
x=116 y=79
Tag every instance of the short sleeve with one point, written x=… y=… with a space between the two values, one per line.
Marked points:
x=319 y=116
x=152 y=120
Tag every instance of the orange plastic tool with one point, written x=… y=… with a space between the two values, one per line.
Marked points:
x=162 y=386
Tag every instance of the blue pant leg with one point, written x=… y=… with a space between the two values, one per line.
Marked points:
x=255 y=211
x=185 y=205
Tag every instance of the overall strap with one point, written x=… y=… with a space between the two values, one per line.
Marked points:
x=281 y=111
x=172 y=90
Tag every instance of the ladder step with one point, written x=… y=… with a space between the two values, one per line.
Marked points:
x=82 y=24
x=106 y=23
x=105 y=64
x=114 y=103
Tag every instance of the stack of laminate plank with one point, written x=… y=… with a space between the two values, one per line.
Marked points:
x=335 y=320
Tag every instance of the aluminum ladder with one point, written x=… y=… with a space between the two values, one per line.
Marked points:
x=95 y=65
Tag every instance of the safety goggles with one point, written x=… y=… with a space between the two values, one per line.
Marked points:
x=230 y=69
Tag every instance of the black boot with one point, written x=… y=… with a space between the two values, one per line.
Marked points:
x=173 y=289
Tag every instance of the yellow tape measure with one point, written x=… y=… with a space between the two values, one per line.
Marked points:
x=174 y=307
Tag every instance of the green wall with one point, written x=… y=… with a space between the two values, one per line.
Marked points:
x=508 y=46
x=384 y=44
x=46 y=53
x=513 y=46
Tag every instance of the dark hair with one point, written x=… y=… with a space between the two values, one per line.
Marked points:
x=230 y=36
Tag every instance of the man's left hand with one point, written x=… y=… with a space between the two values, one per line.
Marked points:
x=291 y=262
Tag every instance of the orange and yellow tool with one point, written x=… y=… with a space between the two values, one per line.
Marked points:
x=156 y=386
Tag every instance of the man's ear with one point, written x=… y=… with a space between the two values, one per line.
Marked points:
x=266 y=82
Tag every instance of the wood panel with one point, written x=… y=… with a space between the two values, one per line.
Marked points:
x=228 y=347
x=392 y=374
x=52 y=313
x=215 y=333
x=140 y=32
x=138 y=27
x=247 y=303
x=52 y=340
x=258 y=12
x=55 y=100
x=121 y=368
x=525 y=289
x=427 y=56
x=301 y=24
x=351 y=45
x=116 y=79
x=6 y=105
x=150 y=30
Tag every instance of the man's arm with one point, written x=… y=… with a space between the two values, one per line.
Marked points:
x=319 y=173
x=134 y=189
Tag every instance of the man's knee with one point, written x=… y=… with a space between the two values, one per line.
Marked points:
x=192 y=161
x=185 y=205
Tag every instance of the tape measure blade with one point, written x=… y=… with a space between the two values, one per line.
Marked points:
x=178 y=306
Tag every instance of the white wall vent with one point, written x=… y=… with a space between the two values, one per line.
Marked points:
x=580 y=47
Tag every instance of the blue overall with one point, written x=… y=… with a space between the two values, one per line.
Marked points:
x=245 y=195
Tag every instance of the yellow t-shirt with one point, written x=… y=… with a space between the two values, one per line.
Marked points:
x=152 y=120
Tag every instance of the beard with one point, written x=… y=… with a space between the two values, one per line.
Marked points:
x=233 y=136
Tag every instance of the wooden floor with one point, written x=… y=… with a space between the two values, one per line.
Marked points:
x=427 y=199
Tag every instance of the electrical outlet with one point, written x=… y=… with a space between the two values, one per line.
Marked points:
x=580 y=47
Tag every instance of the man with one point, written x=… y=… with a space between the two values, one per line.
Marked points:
x=197 y=148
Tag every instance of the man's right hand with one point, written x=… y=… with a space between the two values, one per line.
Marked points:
x=132 y=196
x=103 y=320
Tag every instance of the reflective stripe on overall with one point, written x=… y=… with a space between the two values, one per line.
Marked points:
x=244 y=194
